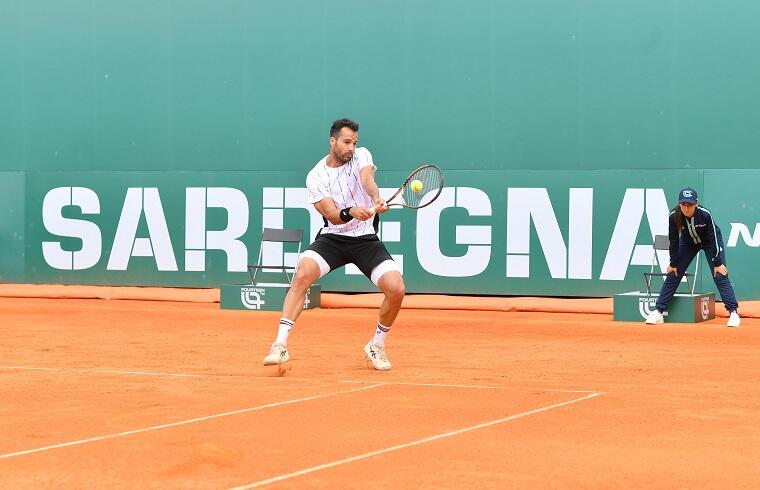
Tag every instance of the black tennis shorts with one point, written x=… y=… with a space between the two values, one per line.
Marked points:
x=366 y=252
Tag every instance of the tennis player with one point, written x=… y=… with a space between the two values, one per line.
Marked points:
x=691 y=229
x=342 y=188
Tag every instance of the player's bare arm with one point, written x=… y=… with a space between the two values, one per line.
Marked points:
x=327 y=208
x=367 y=175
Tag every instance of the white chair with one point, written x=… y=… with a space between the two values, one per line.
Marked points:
x=282 y=236
x=662 y=242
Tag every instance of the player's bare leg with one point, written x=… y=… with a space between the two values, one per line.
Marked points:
x=308 y=272
x=392 y=285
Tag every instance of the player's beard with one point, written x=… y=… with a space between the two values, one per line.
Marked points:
x=343 y=157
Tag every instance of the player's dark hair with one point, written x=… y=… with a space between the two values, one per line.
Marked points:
x=678 y=217
x=343 y=123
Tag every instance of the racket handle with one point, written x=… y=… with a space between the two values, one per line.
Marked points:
x=373 y=209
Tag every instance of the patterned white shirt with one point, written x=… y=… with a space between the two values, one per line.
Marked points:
x=343 y=184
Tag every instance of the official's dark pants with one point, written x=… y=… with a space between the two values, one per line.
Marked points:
x=687 y=250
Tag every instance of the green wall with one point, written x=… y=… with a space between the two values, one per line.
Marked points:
x=501 y=84
x=560 y=95
x=12 y=226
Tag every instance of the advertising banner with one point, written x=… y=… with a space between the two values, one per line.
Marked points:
x=552 y=233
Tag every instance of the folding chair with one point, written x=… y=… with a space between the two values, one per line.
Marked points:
x=282 y=236
x=662 y=242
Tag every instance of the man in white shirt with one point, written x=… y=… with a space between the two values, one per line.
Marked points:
x=342 y=188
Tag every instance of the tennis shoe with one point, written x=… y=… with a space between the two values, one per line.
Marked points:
x=277 y=355
x=734 y=320
x=376 y=354
x=654 y=318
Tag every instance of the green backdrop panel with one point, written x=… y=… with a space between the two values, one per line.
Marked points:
x=476 y=84
x=12 y=227
x=731 y=197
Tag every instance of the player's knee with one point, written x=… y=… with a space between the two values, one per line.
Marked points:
x=396 y=289
x=304 y=278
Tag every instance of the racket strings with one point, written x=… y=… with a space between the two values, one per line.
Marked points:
x=431 y=179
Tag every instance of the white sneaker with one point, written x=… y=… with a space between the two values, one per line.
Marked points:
x=376 y=354
x=277 y=355
x=654 y=318
x=734 y=320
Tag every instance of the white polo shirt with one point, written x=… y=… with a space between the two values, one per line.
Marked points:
x=343 y=184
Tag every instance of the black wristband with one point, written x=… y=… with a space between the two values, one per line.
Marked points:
x=345 y=215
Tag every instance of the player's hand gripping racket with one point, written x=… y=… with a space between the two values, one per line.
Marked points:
x=422 y=187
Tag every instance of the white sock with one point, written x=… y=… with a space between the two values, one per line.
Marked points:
x=282 y=334
x=381 y=331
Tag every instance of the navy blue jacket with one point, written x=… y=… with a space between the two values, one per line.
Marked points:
x=698 y=231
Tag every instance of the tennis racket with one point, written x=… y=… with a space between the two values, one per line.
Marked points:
x=422 y=187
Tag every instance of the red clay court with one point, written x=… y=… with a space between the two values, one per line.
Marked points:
x=171 y=394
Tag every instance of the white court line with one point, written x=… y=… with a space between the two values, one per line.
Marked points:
x=105 y=371
x=183 y=422
x=188 y=375
x=436 y=385
x=143 y=373
x=410 y=444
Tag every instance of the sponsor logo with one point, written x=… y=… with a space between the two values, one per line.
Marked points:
x=540 y=242
x=705 y=300
x=647 y=306
x=252 y=298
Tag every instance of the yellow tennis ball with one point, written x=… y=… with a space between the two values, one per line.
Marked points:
x=416 y=186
